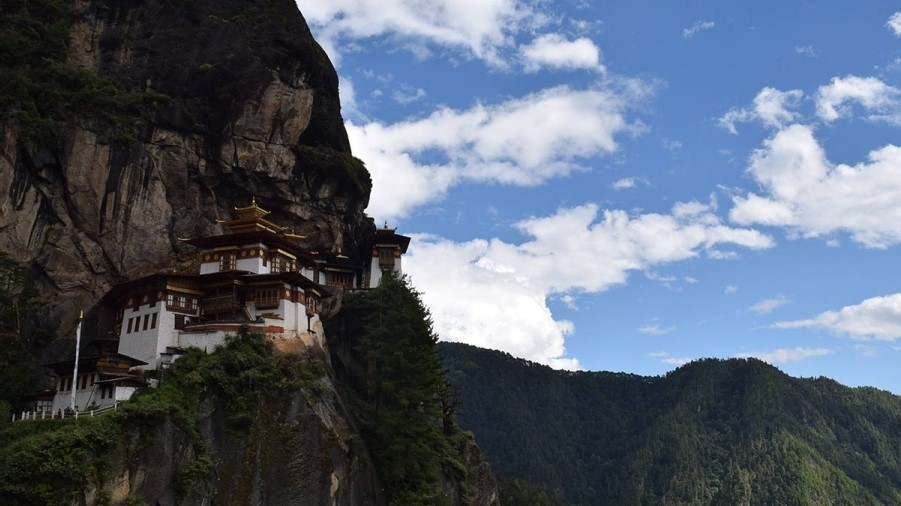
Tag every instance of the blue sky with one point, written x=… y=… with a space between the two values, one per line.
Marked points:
x=630 y=185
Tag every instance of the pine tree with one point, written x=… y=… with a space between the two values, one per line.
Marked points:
x=405 y=387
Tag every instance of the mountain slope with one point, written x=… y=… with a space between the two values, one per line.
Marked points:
x=711 y=432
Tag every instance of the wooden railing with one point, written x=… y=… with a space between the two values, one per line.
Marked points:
x=63 y=414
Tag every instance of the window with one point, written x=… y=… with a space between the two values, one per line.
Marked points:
x=341 y=279
x=146 y=321
x=153 y=321
x=267 y=297
x=278 y=264
x=227 y=262
x=312 y=305
x=386 y=258
x=130 y=320
x=84 y=381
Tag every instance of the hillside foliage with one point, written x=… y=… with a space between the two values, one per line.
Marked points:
x=720 y=432
x=51 y=462
x=399 y=395
x=42 y=91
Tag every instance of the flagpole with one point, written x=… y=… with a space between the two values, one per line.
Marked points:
x=77 y=350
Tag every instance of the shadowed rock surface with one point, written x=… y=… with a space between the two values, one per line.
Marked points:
x=250 y=108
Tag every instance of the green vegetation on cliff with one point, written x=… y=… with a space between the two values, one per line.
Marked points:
x=399 y=393
x=50 y=462
x=43 y=91
x=20 y=339
x=721 y=432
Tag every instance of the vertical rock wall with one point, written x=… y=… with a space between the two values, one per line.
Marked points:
x=251 y=109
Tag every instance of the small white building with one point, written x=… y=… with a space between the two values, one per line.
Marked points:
x=104 y=378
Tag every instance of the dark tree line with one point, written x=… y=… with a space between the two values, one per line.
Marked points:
x=721 y=432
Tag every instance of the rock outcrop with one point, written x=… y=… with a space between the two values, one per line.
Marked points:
x=248 y=107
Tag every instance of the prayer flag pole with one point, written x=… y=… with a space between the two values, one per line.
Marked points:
x=77 y=349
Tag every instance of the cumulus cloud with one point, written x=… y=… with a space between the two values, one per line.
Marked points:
x=782 y=355
x=876 y=318
x=523 y=141
x=494 y=294
x=699 y=26
x=812 y=197
x=771 y=107
x=553 y=50
x=481 y=28
x=769 y=305
x=894 y=24
x=879 y=99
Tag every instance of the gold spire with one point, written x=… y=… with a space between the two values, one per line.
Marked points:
x=251 y=217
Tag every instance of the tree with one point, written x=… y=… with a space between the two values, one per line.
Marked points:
x=401 y=414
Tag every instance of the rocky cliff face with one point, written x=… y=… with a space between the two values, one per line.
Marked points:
x=248 y=106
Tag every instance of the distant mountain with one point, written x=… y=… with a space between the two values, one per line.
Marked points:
x=723 y=432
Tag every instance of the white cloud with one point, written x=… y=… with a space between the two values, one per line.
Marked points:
x=811 y=197
x=806 y=51
x=782 y=355
x=667 y=358
x=349 y=107
x=769 y=305
x=481 y=28
x=729 y=290
x=771 y=107
x=699 y=26
x=878 y=98
x=894 y=24
x=656 y=330
x=553 y=50
x=624 y=183
x=494 y=294
x=408 y=97
x=523 y=141
x=874 y=318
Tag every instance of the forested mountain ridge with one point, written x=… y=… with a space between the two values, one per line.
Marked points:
x=711 y=432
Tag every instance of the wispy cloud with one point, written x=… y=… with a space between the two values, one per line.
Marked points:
x=696 y=28
x=894 y=24
x=729 y=290
x=875 y=318
x=624 y=183
x=656 y=330
x=406 y=97
x=667 y=358
x=782 y=355
x=806 y=51
x=769 y=305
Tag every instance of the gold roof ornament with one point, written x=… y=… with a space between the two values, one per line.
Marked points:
x=251 y=218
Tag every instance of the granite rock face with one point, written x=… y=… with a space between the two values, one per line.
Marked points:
x=251 y=109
